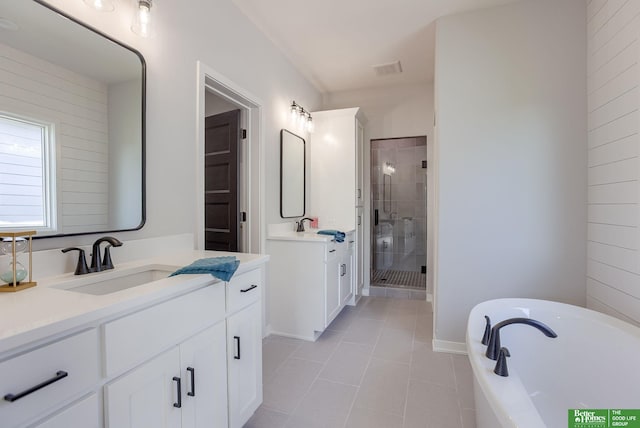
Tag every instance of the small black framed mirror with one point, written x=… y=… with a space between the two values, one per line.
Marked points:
x=292 y=175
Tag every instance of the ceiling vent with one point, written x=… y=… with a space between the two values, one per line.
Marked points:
x=388 y=69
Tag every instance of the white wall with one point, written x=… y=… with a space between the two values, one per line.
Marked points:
x=511 y=126
x=399 y=111
x=216 y=33
x=76 y=107
x=613 y=268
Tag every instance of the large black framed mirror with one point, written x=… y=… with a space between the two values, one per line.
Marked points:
x=72 y=125
x=292 y=175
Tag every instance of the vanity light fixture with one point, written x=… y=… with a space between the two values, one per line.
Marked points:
x=142 y=23
x=100 y=5
x=300 y=118
x=310 y=126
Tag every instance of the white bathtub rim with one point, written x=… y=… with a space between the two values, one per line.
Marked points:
x=521 y=413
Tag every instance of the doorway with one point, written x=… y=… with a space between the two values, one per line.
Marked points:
x=399 y=212
x=252 y=163
x=224 y=179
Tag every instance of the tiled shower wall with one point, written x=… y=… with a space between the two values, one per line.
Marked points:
x=400 y=237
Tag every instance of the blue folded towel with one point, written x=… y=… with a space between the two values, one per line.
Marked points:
x=221 y=267
x=337 y=235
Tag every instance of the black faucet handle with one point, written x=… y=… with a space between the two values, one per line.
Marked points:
x=81 y=266
x=487 y=331
x=106 y=262
x=501 y=365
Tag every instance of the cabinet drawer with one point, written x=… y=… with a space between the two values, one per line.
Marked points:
x=244 y=289
x=139 y=336
x=77 y=356
x=331 y=250
x=83 y=414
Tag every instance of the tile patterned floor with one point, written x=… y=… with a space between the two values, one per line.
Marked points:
x=399 y=278
x=372 y=368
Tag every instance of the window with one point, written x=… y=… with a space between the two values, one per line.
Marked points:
x=26 y=181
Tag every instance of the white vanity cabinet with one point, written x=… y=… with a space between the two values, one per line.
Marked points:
x=183 y=387
x=213 y=379
x=310 y=283
x=346 y=272
x=168 y=363
x=44 y=378
x=244 y=347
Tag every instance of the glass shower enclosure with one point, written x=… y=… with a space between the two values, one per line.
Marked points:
x=399 y=183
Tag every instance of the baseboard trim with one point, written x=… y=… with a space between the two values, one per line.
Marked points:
x=296 y=336
x=449 y=347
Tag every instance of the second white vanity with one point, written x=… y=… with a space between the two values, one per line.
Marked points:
x=184 y=351
x=311 y=280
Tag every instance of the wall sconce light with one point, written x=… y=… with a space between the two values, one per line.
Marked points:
x=100 y=5
x=300 y=118
x=142 y=23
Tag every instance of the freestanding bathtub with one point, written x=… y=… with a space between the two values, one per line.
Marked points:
x=594 y=363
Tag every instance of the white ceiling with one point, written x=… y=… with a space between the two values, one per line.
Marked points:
x=335 y=43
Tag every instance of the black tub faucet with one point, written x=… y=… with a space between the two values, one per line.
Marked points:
x=98 y=265
x=493 y=349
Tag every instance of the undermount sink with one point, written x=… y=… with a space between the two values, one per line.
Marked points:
x=108 y=282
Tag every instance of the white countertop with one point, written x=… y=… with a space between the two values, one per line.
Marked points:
x=307 y=236
x=41 y=311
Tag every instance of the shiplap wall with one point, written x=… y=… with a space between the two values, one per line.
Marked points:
x=613 y=268
x=77 y=106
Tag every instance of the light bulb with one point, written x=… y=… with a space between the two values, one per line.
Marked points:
x=302 y=118
x=310 y=126
x=142 y=22
x=100 y=5
x=294 y=112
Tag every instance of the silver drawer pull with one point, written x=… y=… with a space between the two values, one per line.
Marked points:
x=249 y=289
x=13 y=397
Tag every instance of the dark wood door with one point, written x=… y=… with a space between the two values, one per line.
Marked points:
x=221 y=160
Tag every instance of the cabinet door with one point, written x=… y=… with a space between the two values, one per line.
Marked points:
x=244 y=362
x=83 y=414
x=359 y=164
x=358 y=267
x=148 y=396
x=332 y=290
x=203 y=361
x=346 y=275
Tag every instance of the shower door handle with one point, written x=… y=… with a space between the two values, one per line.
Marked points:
x=375 y=217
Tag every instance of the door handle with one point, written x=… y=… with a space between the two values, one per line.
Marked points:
x=249 y=289
x=14 y=397
x=192 y=393
x=375 y=217
x=178 y=382
x=237 y=339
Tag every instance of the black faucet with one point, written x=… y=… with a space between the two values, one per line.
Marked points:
x=493 y=348
x=98 y=265
x=300 y=224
